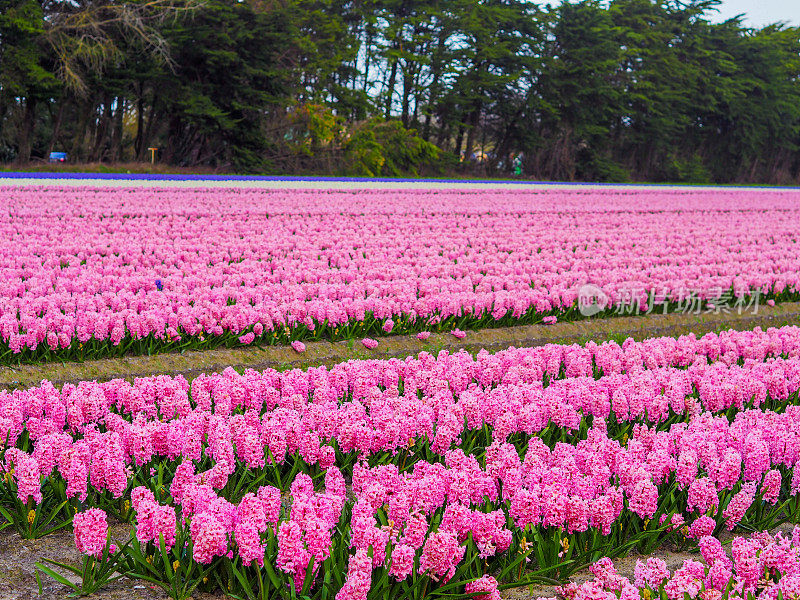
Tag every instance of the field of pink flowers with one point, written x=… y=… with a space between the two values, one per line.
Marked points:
x=449 y=476
x=97 y=272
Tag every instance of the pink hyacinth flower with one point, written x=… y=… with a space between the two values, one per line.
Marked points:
x=91 y=531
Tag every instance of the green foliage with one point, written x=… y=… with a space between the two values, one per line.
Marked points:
x=229 y=74
x=404 y=151
x=686 y=170
x=92 y=575
x=592 y=166
x=313 y=128
x=590 y=90
x=388 y=149
x=23 y=61
x=363 y=154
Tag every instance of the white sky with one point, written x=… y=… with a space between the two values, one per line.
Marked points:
x=760 y=12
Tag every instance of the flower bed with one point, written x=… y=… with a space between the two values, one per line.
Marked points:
x=417 y=478
x=104 y=272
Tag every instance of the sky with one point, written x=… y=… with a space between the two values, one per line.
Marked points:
x=760 y=12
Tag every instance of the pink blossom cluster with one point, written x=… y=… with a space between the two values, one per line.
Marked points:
x=460 y=487
x=304 y=539
x=410 y=518
x=112 y=265
x=91 y=532
x=420 y=522
x=762 y=566
x=574 y=487
x=587 y=485
x=218 y=527
x=154 y=521
x=94 y=434
x=360 y=402
x=582 y=486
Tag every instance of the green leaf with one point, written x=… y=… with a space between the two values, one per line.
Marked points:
x=59 y=578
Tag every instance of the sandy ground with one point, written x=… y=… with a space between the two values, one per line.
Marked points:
x=192 y=363
x=625 y=566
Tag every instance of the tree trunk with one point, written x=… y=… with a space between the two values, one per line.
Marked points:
x=137 y=143
x=116 y=143
x=473 y=127
x=367 y=56
x=85 y=109
x=415 y=114
x=434 y=91
x=178 y=142
x=444 y=134
x=397 y=45
x=408 y=83
x=501 y=147
x=3 y=121
x=148 y=131
x=102 y=130
x=433 y=94
x=26 y=131
x=390 y=88
x=500 y=151
x=56 y=128
x=459 y=140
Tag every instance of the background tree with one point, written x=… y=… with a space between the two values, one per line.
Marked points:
x=625 y=89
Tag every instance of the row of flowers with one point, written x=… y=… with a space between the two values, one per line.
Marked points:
x=706 y=456
x=441 y=528
x=95 y=441
x=94 y=272
x=393 y=410
x=387 y=428
x=419 y=478
x=423 y=375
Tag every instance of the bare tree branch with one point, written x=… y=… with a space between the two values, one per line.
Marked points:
x=86 y=37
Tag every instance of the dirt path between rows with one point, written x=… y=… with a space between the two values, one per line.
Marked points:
x=192 y=363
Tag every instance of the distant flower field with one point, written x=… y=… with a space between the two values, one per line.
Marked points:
x=91 y=272
x=430 y=477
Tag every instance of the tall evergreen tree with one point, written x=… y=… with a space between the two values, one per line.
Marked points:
x=641 y=89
